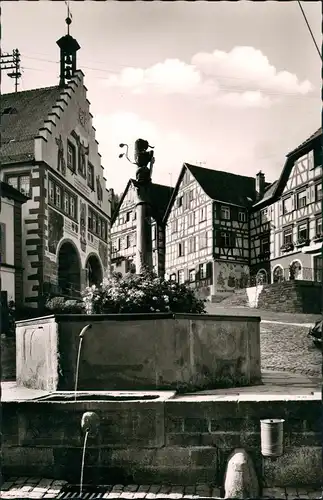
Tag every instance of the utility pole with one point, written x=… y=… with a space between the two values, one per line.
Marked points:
x=11 y=62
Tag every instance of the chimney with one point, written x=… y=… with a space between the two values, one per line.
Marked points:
x=260 y=185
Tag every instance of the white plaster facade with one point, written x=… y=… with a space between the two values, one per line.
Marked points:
x=7 y=248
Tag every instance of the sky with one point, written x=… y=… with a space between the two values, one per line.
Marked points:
x=227 y=85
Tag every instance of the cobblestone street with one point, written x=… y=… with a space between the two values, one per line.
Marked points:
x=288 y=348
x=48 y=488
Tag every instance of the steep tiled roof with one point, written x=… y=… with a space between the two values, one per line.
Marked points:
x=276 y=188
x=269 y=192
x=310 y=139
x=219 y=186
x=22 y=115
x=224 y=186
x=160 y=196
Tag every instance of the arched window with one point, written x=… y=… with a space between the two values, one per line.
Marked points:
x=278 y=274
x=261 y=277
x=94 y=271
x=295 y=270
x=69 y=270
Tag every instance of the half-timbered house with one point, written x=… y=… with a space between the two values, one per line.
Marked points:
x=124 y=227
x=49 y=153
x=286 y=222
x=207 y=232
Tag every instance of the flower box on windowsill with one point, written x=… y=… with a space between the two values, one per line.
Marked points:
x=318 y=237
x=302 y=242
x=288 y=247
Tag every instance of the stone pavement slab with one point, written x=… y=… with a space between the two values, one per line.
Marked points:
x=49 y=488
x=10 y=391
x=213 y=308
x=275 y=386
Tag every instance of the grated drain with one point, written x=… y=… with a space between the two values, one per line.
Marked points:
x=92 y=492
x=89 y=492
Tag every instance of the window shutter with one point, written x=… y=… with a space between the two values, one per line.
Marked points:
x=185 y=200
x=318 y=156
x=295 y=201
x=4 y=326
x=209 y=270
x=2 y=242
x=218 y=238
x=234 y=213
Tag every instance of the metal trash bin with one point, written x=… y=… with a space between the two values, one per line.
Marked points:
x=272 y=434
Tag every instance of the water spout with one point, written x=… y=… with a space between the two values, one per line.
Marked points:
x=83 y=460
x=90 y=425
x=78 y=358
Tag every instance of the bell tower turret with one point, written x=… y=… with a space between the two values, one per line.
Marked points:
x=68 y=48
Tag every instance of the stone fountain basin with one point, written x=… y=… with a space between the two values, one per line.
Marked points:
x=179 y=439
x=138 y=352
x=111 y=396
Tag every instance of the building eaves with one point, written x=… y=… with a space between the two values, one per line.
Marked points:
x=7 y=191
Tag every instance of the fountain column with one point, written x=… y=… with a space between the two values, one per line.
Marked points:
x=143 y=230
x=144 y=160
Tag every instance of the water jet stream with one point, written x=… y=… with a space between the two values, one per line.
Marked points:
x=83 y=459
x=78 y=358
x=90 y=425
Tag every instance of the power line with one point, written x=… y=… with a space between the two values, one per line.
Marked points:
x=221 y=88
x=309 y=28
x=105 y=70
x=11 y=62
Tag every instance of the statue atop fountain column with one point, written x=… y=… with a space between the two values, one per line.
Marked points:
x=144 y=160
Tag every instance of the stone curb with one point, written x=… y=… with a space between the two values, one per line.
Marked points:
x=39 y=488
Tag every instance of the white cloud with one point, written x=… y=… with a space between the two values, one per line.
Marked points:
x=242 y=77
x=125 y=127
x=249 y=67
x=248 y=99
x=170 y=76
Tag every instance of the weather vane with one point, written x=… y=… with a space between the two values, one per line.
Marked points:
x=69 y=18
x=143 y=158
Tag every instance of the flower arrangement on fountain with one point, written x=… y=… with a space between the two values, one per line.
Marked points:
x=61 y=305
x=144 y=293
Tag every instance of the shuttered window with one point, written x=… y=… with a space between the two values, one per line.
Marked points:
x=202 y=271
x=2 y=242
